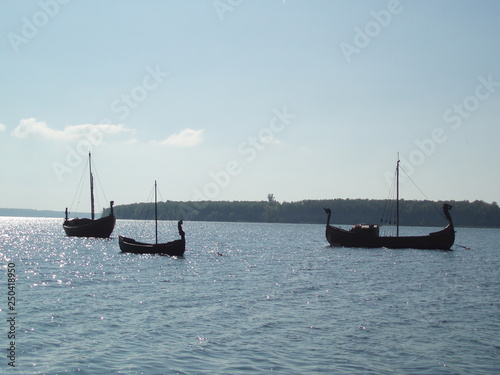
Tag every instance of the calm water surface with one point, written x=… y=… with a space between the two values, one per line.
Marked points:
x=278 y=300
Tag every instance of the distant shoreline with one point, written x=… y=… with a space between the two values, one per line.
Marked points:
x=477 y=214
x=465 y=214
x=27 y=212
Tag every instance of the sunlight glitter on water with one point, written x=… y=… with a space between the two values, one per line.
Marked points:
x=282 y=301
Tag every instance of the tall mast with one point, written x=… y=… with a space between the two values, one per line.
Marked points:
x=91 y=188
x=397 y=197
x=156 y=216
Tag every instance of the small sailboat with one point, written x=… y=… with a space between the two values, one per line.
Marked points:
x=101 y=228
x=367 y=235
x=172 y=248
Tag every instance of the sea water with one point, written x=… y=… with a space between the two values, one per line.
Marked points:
x=245 y=299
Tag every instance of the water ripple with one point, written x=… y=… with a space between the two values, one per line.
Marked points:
x=277 y=300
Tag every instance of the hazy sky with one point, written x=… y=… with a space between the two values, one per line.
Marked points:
x=236 y=99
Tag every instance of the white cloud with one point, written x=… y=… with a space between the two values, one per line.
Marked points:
x=186 y=138
x=31 y=128
x=2 y=127
x=268 y=139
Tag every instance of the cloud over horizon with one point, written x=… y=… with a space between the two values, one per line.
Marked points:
x=185 y=138
x=31 y=128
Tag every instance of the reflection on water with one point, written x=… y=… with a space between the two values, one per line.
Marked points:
x=278 y=299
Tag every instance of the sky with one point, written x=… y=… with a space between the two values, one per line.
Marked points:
x=237 y=99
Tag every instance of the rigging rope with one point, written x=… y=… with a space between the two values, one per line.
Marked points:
x=413 y=182
x=96 y=196
x=388 y=216
x=421 y=192
x=79 y=190
x=149 y=199
x=173 y=223
x=389 y=205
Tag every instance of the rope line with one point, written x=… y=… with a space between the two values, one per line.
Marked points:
x=79 y=190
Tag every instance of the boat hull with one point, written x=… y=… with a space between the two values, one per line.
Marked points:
x=441 y=240
x=173 y=248
x=100 y=228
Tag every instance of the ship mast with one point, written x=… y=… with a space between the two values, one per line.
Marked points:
x=397 y=197
x=156 y=216
x=91 y=189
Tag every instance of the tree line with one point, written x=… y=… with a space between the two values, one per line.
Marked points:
x=344 y=211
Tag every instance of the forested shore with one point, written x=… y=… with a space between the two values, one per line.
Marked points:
x=344 y=211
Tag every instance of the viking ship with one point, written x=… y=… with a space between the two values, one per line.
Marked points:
x=173 y=248
x=368 y=235
x=85 y=227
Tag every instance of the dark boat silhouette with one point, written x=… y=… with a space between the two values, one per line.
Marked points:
x=84 y=227
x=172 y=248
x=367 y=235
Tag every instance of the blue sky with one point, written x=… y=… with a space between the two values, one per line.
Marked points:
x=236 y=99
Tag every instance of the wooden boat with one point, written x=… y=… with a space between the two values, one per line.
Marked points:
x=101 y=228
x=368 y=236
x=172 y=248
